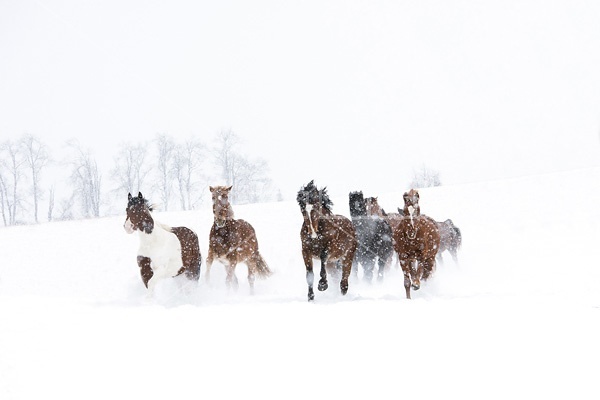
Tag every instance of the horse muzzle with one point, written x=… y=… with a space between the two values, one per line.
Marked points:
x=128 y=226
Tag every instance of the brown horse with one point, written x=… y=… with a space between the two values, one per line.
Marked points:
x=374 y=209
x=163 y=251
x=233 y=241
x=328 y=237
x=416 y=240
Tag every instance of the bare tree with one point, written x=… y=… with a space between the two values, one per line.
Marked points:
x=224 y=154
x=36 y=157
x=247 y=177
x=130 y=168
x=50 y=203
x=12 y=163
x=166 y=149
x=425 y=177
x=86 y=180
x=186 y=169
x=251 y=181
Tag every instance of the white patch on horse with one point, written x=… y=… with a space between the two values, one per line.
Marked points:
x=163 y=248
x=411 y=211
x=313 y=234
x=128 y=226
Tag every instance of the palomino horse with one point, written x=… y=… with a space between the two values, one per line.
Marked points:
x=233 y=241
x=164 y=251
x=374 y=236
x=416 y=240
x=328 y=237
x=450 y=240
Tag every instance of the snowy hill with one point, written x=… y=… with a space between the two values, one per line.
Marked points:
x=519 y=317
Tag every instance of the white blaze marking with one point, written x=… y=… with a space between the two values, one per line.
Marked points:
x=411 y=211
x=313 y=234
x=128 y=226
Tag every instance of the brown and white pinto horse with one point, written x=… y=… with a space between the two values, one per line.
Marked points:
x=416 y=240
x=328 y=237
x=164 y=251
x=233 y=241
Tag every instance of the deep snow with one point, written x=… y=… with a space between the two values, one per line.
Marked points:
x=519 y=317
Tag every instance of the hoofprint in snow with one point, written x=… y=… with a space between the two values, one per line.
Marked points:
x=519 y=316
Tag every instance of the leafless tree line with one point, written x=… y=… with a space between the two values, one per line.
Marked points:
x=170 y=172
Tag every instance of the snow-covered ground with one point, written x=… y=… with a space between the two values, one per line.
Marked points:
x=519 y=317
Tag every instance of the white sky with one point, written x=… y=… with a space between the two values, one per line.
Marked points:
x=353 y=94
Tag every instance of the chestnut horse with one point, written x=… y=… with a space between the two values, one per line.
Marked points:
x=325 y=236
x=416 y=240
x=233 y=241
x=164 y=251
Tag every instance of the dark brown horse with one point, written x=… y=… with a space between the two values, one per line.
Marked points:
x=374 y=209
x=233 y=241
x=164 y=251
x=416 y=240
x=450 y=240
x=325 y=236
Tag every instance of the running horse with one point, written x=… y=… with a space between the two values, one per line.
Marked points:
x=325 y=236
x=233 y=241
x=374 y=236
x=164 y=251
x=450 y=240
x=416 y=240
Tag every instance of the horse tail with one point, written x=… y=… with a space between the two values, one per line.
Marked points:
x=458 y=237
x=261 y=267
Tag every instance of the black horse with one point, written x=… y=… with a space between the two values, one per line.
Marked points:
x=374 y=236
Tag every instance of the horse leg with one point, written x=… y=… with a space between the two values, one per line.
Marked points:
x=405 y=264
x=209 y=261
x=454 y=254
x=416 y=271
x=145 y=269
x=323 y=281
x=310 y=275
x=428 y=265
x=368 y=267
x=382 y=263
x=346 y=269
x=231 y=280
x=251 y=277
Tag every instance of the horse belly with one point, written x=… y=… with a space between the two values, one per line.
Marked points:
x=165 y=257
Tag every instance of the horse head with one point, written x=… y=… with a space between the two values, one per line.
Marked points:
x=138 y=215
x=358 y=207
x=314 y=203
x=411 y=204
x=373 y=208
x=222 y=210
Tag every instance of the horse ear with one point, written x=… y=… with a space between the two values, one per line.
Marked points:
x=140 y=196
x=129 y=197
x=229 y=188
x=212 y=189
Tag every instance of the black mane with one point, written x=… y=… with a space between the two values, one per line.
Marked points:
x=309 y=194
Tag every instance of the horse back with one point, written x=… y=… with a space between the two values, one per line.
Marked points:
x=190 y=250
x=236 y=237
x=339 y=236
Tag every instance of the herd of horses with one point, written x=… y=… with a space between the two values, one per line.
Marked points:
x=369 y=238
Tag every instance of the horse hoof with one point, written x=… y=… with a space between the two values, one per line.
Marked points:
x=415 y=287
x=323 y=286
x=311 y=296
